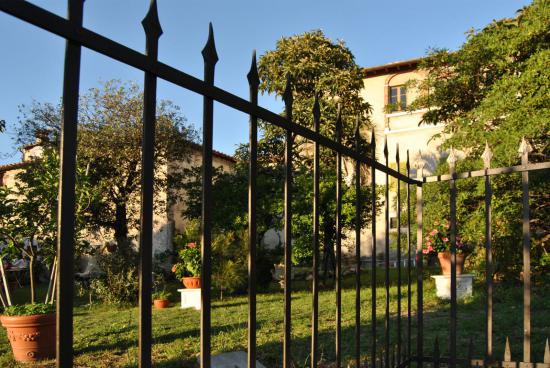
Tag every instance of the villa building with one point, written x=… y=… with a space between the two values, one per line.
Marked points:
x=385 y=88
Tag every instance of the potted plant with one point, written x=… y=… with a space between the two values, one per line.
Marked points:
x=160 y=299
x=31 y=331
x=188 y=269
x=438 y=242
x=28 y=230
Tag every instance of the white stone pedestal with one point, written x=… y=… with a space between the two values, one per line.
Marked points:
x=463 y=286
x=190 y=298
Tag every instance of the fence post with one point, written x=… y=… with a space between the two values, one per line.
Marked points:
x=409 y=321
x=524 y=150
x=358 y=204
x=66 y=206
x=373 y=251
x=338 y=276
x=288 y=99
x=210 y=57
x=253 y=83
x=451 y=160
x=398 y=257
x=487 y=156
x=387 y=261
x=419 y=264
x=315 y=281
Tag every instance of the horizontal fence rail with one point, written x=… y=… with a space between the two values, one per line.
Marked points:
x=393 y=352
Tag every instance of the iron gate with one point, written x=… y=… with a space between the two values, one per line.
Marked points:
x=394 y=354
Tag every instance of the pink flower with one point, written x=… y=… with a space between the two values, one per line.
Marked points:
x=445 y=239
x=174 y=268
x=191 y=245
x=434 y=232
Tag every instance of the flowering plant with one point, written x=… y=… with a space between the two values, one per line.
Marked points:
x=189 y=262
x=439 y=240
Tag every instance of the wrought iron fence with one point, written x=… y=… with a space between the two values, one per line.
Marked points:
x=397 y=353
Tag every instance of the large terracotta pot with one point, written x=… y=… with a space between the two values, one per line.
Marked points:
x=161 y=303
x=32 y=338
x=192 y=282
x=445 y=262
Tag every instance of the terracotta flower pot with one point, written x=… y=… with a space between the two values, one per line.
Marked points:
x=192 y=282
x=445 y=262
x=32 y=338
x=161 y=303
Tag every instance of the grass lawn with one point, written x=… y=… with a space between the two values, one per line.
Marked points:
x=106 y=336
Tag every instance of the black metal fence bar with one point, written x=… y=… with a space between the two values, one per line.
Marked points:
x=66 y=206
x=338 y=276
x=287 y=97
x=210 y=57
x=487 y=155
x=253 y=82
x=409 y=278
x=60 y=26
x=452 y=328
x=153 y=31
x=524 y=150
x=358 y=205
x=373 y=252
x=315 y=271
x=419 y=268
x=387 y=261
x=398 y=205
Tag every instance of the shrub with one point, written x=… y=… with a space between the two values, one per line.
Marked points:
x=29 y=309
x=119 y=282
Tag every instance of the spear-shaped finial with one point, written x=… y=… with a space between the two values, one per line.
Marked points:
x=397 y=153
x=408 y=163
x=507 y=352
x=547 y=353
x=524 y=147
x=487 y=156
x=316 y=109
x=151 y=23
x=339 y=122
x=287 y=94
x=386 y=147
x=252 y=76
x=452 y=159
x=209 y=53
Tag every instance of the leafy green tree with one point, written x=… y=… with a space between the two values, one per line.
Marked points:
x=109 y=144
x=28 y=221
x=495 y=89
x=317 y=65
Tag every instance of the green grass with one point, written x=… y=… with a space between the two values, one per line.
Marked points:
x=106 y=336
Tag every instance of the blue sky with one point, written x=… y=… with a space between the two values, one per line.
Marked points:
x=377 y=32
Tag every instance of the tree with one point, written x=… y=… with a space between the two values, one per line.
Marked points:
x=495 y=89
x=316 y=65
x=28 y=212
x=109 y=144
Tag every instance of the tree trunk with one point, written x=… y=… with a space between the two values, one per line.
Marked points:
x=31 y=277
x=121 y=223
